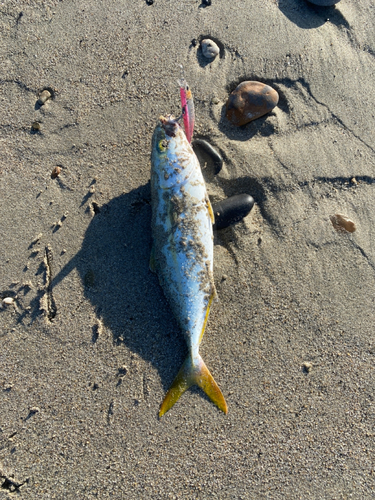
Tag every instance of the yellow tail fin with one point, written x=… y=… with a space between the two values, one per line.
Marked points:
x=193 y=373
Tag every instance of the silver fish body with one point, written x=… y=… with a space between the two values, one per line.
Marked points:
x=182 y=254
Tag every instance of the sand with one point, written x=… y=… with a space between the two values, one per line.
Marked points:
x=89 y=347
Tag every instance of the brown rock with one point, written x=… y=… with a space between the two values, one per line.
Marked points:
x=249 y=101
x=56 y=172
x=342 y=223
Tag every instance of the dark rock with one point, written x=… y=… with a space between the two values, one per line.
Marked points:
x=216 y=157
x=232 y=210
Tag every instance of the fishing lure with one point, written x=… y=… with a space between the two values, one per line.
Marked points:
x=187 y=105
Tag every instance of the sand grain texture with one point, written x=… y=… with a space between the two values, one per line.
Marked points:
x=89 y=347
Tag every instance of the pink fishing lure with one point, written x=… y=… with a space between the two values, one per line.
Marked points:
x=187 y=105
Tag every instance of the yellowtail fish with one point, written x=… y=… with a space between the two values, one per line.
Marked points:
x=182 y=253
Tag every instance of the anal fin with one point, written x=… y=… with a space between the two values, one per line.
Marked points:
x=210 y=211
x=212 y=296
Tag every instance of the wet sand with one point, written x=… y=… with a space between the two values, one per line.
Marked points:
x=89 y=347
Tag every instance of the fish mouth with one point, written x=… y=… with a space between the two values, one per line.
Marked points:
x=169 y=125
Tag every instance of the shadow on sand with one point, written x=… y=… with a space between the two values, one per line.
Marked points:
x=113 y=264
x=308 y=16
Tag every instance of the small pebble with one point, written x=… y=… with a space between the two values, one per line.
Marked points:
x=35 y=126
x=342 y=223
x=232 y=210
x=209 y=49
x=55 y=172
x=8 y=301
x=249 y=101
x=44 y=96
x=324 y=3
x=207 y=2
x=307 y=366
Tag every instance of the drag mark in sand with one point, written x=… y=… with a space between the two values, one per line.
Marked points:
x=333 y=115
x=364 y=254
x=51 y=308
x=110 y=412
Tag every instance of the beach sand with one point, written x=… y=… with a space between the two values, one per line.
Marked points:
x=89 y=347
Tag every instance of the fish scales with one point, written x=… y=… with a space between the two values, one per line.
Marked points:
x=182 y=254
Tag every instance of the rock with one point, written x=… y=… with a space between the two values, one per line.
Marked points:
x=56 y=172
x=307 y=367
x=323 y=3
x=216 y=157
x=44 y=96
x=35 y=126
x=8 y=301
x=249 y=101
x=342 y=223
x=209 y=49
x=232 y=210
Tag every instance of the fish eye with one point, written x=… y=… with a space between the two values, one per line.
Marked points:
x=163 y=145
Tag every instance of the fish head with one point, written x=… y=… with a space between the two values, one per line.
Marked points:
x=166 y=129
x=172 y=157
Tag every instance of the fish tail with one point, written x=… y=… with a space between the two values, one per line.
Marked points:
x=193 y=372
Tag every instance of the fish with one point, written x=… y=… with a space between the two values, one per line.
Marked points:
x=188 y=110
x=182 y=251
